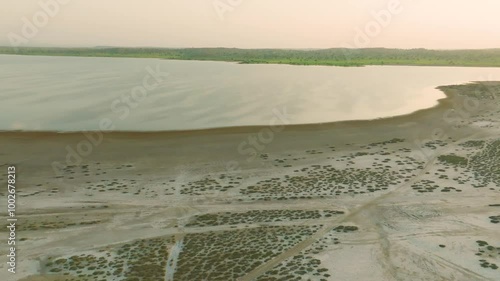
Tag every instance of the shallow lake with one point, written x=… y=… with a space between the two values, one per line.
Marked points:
x=76 y=93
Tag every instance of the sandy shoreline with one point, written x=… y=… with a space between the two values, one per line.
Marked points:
x=451 y=101
x=443 y=105
x=221 y=144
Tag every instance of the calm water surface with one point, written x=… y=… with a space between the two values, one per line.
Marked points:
x=73 y=94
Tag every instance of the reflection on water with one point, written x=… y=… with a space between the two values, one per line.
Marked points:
x=73 y=94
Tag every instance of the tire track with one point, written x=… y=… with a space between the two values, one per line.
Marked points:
x=325 y=229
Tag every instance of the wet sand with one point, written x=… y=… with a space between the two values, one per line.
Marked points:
x=37 y=149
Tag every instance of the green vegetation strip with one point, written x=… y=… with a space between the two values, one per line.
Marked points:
x=453 y=160
x=259 y=216
x=141 y=260
x=334 y=57
x=230 y=255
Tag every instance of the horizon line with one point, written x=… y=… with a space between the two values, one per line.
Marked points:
x=240 y=48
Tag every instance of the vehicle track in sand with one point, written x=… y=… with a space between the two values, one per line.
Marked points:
x=367 y=207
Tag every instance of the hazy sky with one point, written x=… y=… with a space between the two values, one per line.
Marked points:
x=449 y=24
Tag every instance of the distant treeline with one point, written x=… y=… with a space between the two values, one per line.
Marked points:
x=337 y=57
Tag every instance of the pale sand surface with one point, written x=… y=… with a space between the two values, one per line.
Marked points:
x=136 y=186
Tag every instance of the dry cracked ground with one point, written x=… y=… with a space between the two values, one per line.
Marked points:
x=407 y=198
